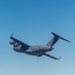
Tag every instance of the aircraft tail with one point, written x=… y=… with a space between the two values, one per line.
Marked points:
x=55 y=39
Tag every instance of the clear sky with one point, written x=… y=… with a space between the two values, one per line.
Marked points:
x=32 y=22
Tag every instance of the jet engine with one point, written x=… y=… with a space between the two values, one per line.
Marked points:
x=14 y=44
x=17 y=48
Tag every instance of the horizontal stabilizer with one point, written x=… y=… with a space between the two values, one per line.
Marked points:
x=64 y=39
x=60 y=37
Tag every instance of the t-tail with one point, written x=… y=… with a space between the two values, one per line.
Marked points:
x=55 y=39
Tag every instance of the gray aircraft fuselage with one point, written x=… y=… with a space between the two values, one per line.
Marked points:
x=33 y=50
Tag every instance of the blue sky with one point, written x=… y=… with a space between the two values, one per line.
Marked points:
x=32 y=22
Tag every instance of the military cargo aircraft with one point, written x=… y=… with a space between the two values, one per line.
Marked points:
x=36 y=50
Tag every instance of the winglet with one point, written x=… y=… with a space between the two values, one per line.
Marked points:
x=59 y=58
x=11 y=35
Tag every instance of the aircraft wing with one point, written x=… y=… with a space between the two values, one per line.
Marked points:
x=18 y=41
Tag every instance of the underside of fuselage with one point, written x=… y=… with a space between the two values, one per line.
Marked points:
x=37 y=52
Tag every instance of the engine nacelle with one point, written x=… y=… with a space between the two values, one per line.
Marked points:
x=16 y=45
x=12 y=42
x=18 y=48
